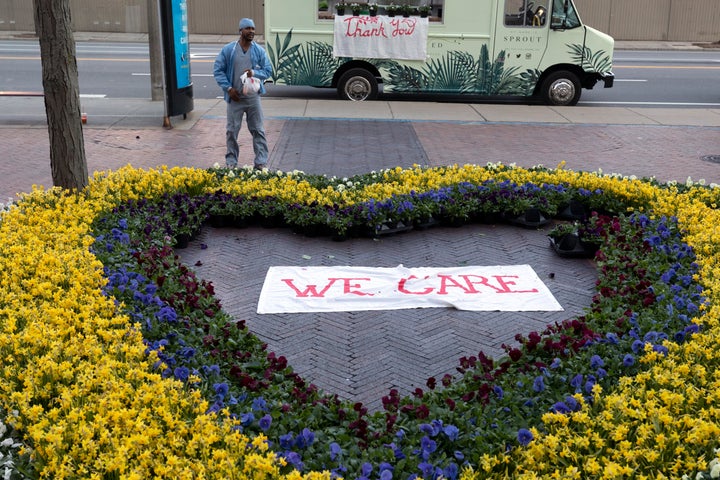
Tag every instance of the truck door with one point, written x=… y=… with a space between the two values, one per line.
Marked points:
x=521 y=37
x=566 y=37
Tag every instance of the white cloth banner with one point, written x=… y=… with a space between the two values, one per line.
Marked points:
x=344 y=289
x=400 y=38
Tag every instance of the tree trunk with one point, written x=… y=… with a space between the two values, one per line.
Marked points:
x=62 y=93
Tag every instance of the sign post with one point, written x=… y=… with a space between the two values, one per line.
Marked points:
x=176 y=56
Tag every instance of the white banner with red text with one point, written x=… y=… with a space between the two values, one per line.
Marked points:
x=345 y=289
x=399 y=38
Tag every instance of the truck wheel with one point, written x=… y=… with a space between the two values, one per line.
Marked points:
x=561 y=88
x=357 y=85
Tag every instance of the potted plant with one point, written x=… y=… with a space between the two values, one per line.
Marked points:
x=219 y=211
x=459 y=207
x=383 y=217
x=355 y=8
x=592 y=232
x=407 y=10
x=392 y=10
x=573 y=209
x=243 y=210
x=372 y=9
x=340 y=8
x=323 y=6
x=562 y=230
x=307 y=219
x=424 y=10
x=343 y=222
x=565 y=240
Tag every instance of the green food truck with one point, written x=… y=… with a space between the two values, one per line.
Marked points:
x=507 y=48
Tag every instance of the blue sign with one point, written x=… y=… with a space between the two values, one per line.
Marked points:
x=182 y=43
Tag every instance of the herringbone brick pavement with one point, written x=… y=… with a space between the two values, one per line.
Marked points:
x=350 y=147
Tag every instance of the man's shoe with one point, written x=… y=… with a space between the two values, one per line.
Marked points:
x=258 y=167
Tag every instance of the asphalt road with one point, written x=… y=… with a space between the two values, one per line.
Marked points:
x=122 y=70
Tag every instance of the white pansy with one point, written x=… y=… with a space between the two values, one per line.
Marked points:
x=7 y=206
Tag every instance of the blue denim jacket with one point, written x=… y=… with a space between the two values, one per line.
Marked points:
x=223 y=68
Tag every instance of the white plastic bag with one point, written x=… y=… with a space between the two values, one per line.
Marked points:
x=251 y=85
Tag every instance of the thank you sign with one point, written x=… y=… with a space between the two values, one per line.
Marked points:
x=399 y=38
x=335 y=289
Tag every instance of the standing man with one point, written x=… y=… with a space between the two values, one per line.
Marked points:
x=236 y=60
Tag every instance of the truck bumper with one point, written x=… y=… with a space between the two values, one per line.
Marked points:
x=608 y=79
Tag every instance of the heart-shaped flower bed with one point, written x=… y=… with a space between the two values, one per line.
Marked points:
x=130 y=368
x=361 y=354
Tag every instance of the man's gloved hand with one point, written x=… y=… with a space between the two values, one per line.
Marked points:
x=234 y=94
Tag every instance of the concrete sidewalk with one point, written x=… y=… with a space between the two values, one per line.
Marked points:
x=144 y=113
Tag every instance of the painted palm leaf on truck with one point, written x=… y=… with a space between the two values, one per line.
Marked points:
x=459 y=73
x=310 y=63
x=599 y=61
x=456 y=72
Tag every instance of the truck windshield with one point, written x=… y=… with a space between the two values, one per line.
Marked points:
x=564 y=15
